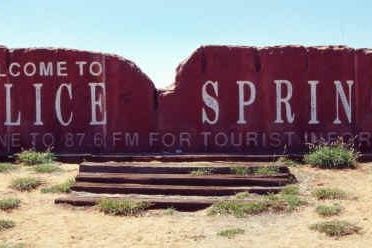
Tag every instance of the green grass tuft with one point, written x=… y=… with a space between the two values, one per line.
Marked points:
x=46 y=168
x=230 y=233
x=242 y=195
x=170 y=211
x=31 y=157
x=60 y=188
x=9 y=245
x=6 y=167
x=330 y=194
x=240 y=170
x=287 y=162
x=122 y=207
x=290 y=190
x=7 y=204
x=269 y=203
x=25 y=183
x=201 y=172
x=336 y=228
x=237 y=208
x=6 y=224
x=266 y=170
x=328 y=210
x=337 y=155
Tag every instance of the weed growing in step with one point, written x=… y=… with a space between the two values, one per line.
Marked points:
x=32 y=157
x=284 y=202
x=25 y=183
x=64 y=187
x=242 y=195
x=266 y=170
x=336 y=228
x=7 y=167
x=202 y=172
x=337 y=155
x=230 y=233
x=170 y=211
x=328 y=210
x=123 y=207
x=240 y=170
x=46 y=168
x=7 y=204
x=238 y=208
x=6 y=224
x=330 y=194
x=269 y=203
x=287 y=162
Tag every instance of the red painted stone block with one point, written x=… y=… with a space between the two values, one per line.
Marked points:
x=248 y=100
x=88 y=102
x=363 y=75
x=181 y=107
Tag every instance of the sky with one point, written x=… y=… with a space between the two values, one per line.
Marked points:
x=158 y=35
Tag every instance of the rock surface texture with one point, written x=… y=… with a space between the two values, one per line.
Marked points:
x=225 y=99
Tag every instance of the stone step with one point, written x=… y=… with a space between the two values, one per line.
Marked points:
x=279 y=179
x=145 y=189
x=168 y=168
x=179 y=204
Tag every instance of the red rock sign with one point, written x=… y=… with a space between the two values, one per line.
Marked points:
x=224 y=99
x=74 y=101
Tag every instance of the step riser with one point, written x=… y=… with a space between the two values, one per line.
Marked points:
x=157 y=170
x=179 y=206
x=157 y=191
x=187 y=181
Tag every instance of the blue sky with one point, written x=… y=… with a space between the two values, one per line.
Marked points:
x=158 y=35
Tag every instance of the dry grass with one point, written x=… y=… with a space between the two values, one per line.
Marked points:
x=230 y=233
x=7 y=204
x=122 y=207
x=6 y=224
x=330 y=194
x=7 y=167
x=64 y=187
x=26 y=183
x=40 y=223
x=328 y=210
x=336 y=228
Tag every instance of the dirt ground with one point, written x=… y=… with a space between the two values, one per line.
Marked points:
x=41 y=223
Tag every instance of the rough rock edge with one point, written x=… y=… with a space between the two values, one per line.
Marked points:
x=94 y=53
x=172 y=88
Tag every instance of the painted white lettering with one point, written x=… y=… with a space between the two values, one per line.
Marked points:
x=210 y=102
x=29 y=69
x=283 y=100
x=8 y=108
x=61 y=68
x=242 y=102
x=98 y=103
x=57 y=104
x=313 y=102
x=81 y=65
x=46 y=69
x=340 y=93
x=38 y=121
x=11 y=69
x=95 y=68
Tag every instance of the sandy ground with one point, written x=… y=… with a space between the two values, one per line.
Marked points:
x=40 y=223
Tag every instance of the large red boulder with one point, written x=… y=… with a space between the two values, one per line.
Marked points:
x=73 y=101
x=259 y=100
